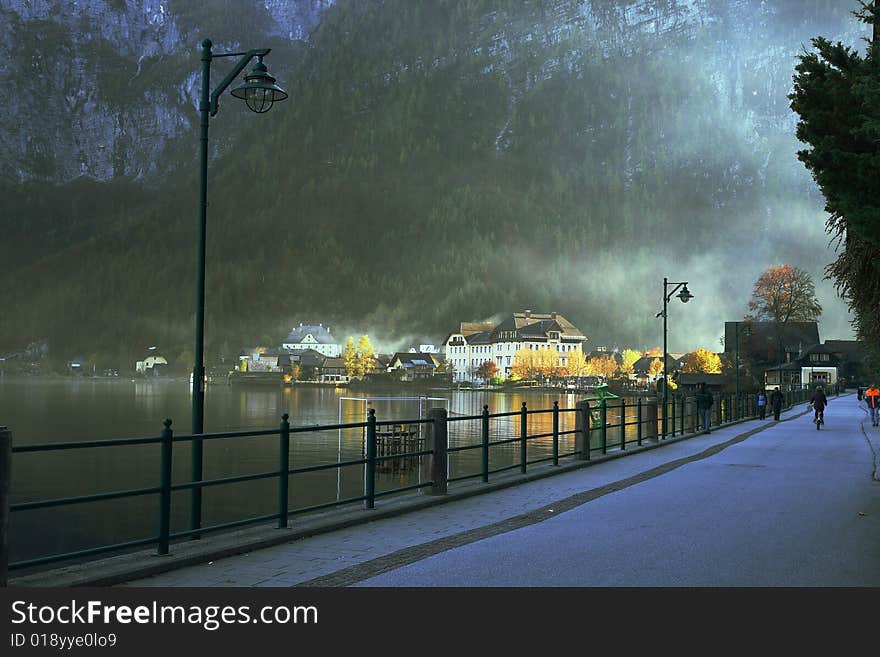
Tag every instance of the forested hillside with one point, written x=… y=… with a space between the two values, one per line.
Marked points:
x=446 y=161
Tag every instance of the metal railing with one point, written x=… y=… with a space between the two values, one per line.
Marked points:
x=593 y=432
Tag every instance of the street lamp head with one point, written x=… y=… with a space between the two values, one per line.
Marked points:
x=259 y=90
x=685 y=294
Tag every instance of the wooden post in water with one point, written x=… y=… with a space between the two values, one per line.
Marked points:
x=434 y=464
x=5 y=491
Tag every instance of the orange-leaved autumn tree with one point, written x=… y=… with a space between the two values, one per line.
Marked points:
x=701 y=360
x=604 y=366
x=656 y=367
x=783 y=294
x=487 y=370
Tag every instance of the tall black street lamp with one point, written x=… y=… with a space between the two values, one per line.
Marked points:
x=685 y=296
x=259 y=92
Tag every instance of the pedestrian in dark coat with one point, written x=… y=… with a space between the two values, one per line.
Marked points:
x=704 y=407
x=776 y=403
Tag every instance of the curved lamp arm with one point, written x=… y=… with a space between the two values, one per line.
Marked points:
x=230 y=77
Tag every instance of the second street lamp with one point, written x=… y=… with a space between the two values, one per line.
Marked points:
x=685 y=296
x=260 y=92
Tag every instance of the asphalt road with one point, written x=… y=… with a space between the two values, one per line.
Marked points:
x=788 y=506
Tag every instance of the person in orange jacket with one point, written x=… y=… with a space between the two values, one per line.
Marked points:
x=872 y=400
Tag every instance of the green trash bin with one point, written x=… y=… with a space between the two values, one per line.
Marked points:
x=598 y=416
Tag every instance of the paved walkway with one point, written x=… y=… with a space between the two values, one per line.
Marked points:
x=489 y=532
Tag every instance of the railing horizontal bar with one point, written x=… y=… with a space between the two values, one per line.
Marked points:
x=540 y=435
x=466 y=417
x=389 y=423
x=97 y=497
x=391 y=457
x=326 y=466
x=505 y=441
x=329 y=427
x=327 y=505
x=570 y=431
x=226 y=480
x=82 y=553
x=462 y=448
x=424 y=484
x=463 y=477
x=225 y=525
x=225 y=434
x=110 y=442
x=511 y=414
x=507 y=467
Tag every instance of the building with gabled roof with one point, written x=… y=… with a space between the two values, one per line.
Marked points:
x=309 y=336
x=477 y=342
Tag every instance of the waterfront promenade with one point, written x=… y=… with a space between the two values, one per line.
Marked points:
x=757 y=503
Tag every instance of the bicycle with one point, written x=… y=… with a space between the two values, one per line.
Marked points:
x=819 y=417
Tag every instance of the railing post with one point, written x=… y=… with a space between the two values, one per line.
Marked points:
x=434 y=467
x=664 y=412
x=556 y=433
x=622 y=423
x=683 y=413
x=283 y=470
x=582 y=430
x=485 y=445
x=651 y=409
x=165 y=488
x=603 y=418
x=639 y=422
x=673 y=416
x=370 y=474
x=5 y=491
x=523 y=434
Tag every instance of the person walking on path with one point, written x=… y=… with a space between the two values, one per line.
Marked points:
x=762 y=404
x=704 y=407
x=776 y=403
x=872 y=401
x=819 y=401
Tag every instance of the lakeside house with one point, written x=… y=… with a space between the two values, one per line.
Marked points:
x=473 y=343
x=309 y=336
x=153 y=364
x=412 y=366
x=791 y=355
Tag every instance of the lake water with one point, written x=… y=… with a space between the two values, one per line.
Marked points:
x=60 y=410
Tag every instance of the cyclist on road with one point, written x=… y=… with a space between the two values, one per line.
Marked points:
x=819 y=401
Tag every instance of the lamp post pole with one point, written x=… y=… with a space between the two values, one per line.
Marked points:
x=665 y=356
x=259 y=92
x=685 y=296
x=736 y=351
